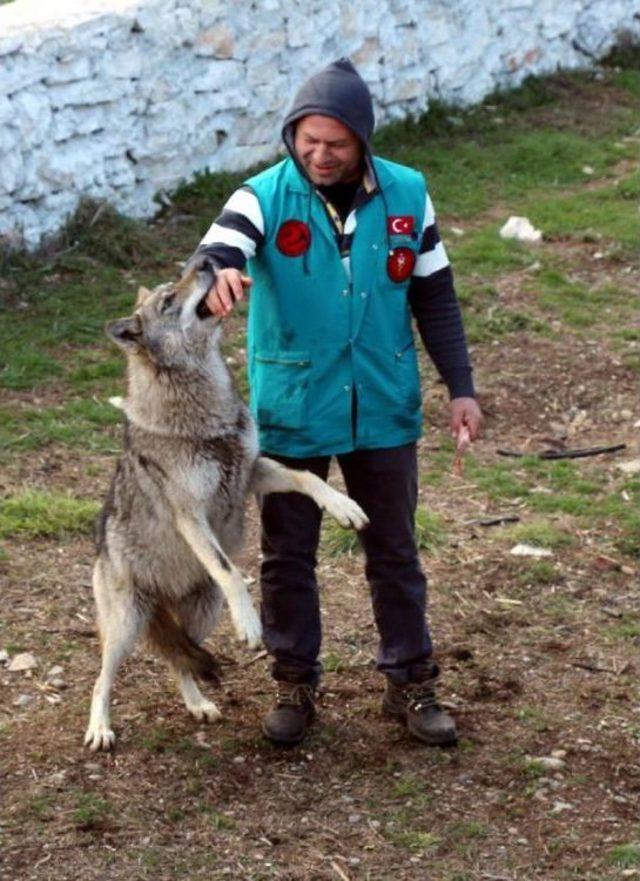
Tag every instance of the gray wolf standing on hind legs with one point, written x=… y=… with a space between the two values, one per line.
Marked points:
x=174 y=514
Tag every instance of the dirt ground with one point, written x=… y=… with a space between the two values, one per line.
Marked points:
x=540 y=667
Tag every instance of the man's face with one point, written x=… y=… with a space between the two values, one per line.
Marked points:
x=329 y=152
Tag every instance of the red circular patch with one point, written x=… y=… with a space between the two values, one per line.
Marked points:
x=400 y=264
x=294 y=238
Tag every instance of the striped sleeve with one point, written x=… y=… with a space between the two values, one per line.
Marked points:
x=432 y=255
x=237 y=232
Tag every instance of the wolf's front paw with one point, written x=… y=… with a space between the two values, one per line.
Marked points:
x=247 y=624
x=347 y=512
x=99 y=736
x=205 y=711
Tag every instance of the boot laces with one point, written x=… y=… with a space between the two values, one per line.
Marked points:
x=294 y=694
x=420 y=696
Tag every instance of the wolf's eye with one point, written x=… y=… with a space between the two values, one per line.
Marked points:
x=167 y=303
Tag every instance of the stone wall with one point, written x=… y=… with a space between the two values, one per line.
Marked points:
x=122 y=99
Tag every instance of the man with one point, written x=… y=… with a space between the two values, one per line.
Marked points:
x=342 y=249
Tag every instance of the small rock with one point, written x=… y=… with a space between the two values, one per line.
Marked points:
x=551 y=763
x=355 y=818
x=457 y=231
x=4 y=656
x=631 y=467
x=22 y=700
x=587 y=169
x=57 y=778
x=560 y=806
x=22 y=662
x=239 y=760
x=58 y=683
x=559 y=753
x=520 y=229
x=523 y=550
x=55 y=671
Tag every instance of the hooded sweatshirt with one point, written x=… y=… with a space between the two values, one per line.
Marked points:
x=238 y=234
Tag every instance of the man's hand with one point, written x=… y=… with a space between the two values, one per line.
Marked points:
x=465 y=425
x=465 y=412
x=228 y=289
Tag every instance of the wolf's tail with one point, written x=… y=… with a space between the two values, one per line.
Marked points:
x=172 y=641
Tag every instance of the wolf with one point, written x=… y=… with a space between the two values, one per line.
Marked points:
x=173 y=517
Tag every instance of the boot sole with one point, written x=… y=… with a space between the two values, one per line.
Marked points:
x=399 y=716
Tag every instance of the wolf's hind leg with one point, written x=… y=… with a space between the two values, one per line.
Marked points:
x=199 y=613
x=119 y=623
x=270 y=476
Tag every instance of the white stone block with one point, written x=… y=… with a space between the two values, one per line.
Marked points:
x=11 y=169
x=20 y=72
x=92 y=91
x=32 y=114
x=6 y=111
x=73 y=162
x=69 y=122
x=69 y=71
x=220 y=74
x=215 y=42
x=122 y=64
x=10 y=44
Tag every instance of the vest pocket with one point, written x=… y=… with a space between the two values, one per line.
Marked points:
x=280 y=386
x=408 y=374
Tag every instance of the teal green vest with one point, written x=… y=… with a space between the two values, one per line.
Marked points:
x=315 y=336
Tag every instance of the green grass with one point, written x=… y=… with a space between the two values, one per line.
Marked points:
x=539 y=534
x=39 y=514
x=624 y=856
x=90 y=810
x=335 y=540
x=79 y=424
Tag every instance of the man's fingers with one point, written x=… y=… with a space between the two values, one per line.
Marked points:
x=236 y=288
x=225 y=294
x=213 y=303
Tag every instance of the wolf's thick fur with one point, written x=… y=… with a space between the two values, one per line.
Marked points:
x=174 y=514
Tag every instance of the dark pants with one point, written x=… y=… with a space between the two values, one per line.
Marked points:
x=384 y=483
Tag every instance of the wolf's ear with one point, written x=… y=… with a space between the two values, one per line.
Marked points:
x=125 y=332
x=143 y=296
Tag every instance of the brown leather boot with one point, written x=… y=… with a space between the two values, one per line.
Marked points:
x=415 y=704
x=288 y=720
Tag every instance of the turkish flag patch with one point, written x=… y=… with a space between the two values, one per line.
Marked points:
x=293 y=238
x=400 y=264
x=400 y=224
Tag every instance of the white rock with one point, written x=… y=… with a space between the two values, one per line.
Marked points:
x=560 y=806
x=520 y=229
x=522 y=550
x=22 y=662
x=57 y=670
x=587 y=169
x=631 y=467
x=4 y=656
x=23 y=700
x=551 y=763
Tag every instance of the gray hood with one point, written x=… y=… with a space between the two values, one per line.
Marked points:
x=337 y=91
